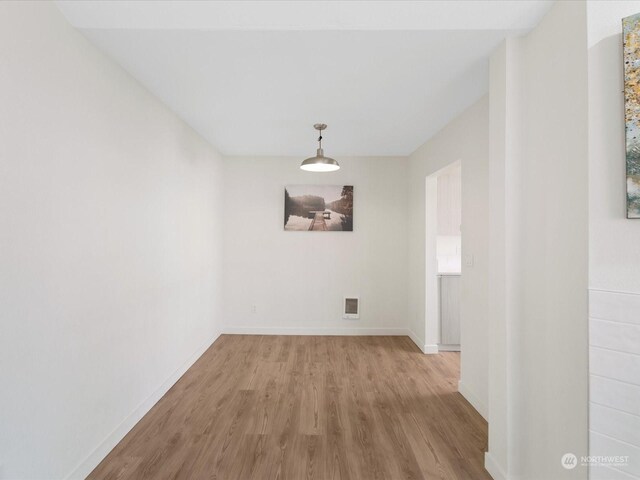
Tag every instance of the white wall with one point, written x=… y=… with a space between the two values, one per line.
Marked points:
x=297 y=280
x=474 y=305
x=449 y=240
x=465 y=140
x=501 y=138
x=538 y=398
x=614 y=253
x=450 y=200
x=109 y=247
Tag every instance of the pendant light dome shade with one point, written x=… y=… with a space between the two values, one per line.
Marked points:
x=320 y=163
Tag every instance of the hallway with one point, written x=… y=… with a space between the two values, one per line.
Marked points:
x=313 y=407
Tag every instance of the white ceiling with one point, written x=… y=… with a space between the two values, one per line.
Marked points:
x=253 y=77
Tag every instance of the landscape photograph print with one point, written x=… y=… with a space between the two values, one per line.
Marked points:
x=631 y=29
x=318 y=208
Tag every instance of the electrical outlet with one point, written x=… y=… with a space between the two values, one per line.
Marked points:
x=254 y=309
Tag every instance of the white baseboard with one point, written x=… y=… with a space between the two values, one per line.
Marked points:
x=414 y=338
x=312 y=331
x=449 y=348
x=494 y=469
x=102 y=450
x=425 y=348
x=430 y=348
x=473 y=399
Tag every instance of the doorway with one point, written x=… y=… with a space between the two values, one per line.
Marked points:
x=443 y=257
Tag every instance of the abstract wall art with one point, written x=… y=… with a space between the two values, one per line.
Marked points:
x=318 y=208
x=631 y=34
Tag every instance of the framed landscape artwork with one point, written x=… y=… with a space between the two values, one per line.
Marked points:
x=318 y=208
x=631 y=34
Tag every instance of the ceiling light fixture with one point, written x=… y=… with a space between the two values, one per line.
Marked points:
x=320 y=163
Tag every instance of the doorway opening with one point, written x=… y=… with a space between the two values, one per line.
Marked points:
x=443 y=257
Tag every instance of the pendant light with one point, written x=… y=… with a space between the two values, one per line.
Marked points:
x=320 y=163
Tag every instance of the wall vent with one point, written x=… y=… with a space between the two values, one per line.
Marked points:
x=351 y=308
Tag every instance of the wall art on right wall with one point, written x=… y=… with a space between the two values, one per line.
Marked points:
x=631 y=35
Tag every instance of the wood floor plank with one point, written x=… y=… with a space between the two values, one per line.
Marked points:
x=308 y=407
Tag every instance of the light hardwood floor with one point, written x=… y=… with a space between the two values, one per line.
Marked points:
x=307 y=407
